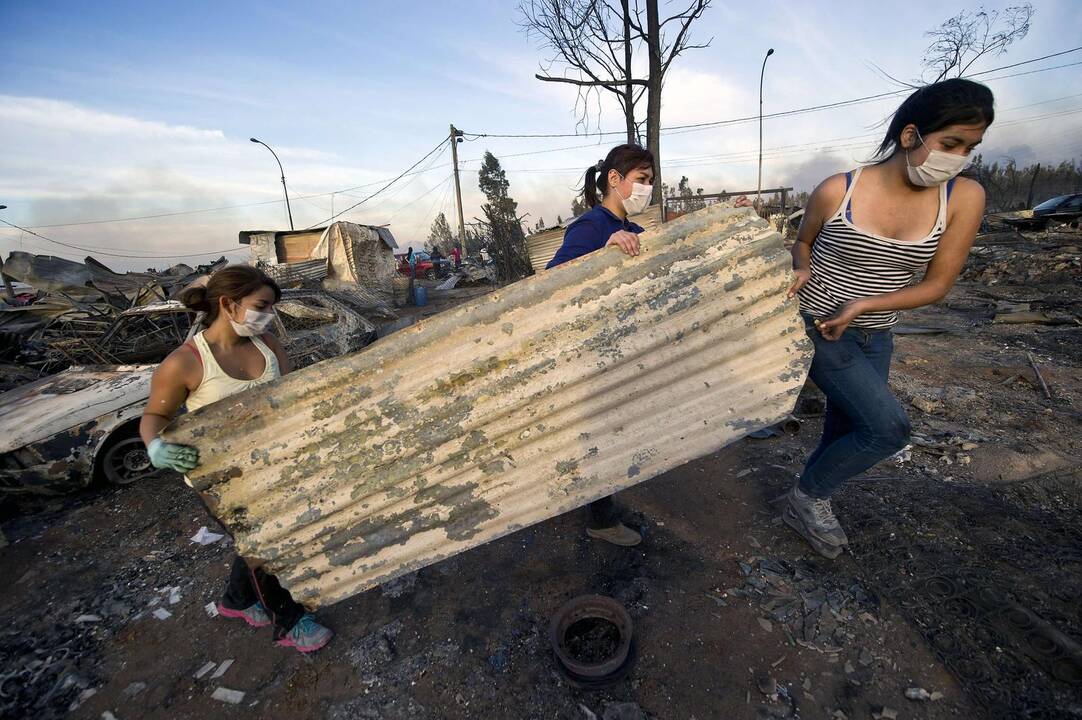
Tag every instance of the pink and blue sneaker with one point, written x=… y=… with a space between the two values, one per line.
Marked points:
x=256 y=615
x=307 y=635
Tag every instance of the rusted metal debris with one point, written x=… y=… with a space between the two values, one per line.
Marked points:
x=529 y=402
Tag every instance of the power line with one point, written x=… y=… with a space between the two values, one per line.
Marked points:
x=784 y=113
x=723 y=155
x=224 y=207
x=798 y=149
x=112 y=254
x=678 y=129
x=1025 y=62
x=392 y=182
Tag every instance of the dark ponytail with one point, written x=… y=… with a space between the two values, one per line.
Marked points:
x=933 y=107
x=623 y=159
x=234 y=282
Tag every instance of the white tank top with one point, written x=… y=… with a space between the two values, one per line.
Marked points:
x=216 y=384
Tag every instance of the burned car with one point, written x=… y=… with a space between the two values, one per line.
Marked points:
x=61 y=432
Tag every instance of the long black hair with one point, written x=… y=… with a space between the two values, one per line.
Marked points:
x=936 y=106
x=623 y=159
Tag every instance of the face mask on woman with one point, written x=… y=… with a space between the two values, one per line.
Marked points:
x=639 y=198
x=937 y=168
x=254 y=322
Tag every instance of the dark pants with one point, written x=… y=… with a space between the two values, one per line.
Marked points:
x=603 y=513
x=864 y=422
x=246 y=587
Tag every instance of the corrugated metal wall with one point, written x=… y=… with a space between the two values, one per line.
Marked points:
x=511 y=409
x=290 y=274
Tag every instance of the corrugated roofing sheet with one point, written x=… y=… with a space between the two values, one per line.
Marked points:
x=298 y=272
x=511 y=409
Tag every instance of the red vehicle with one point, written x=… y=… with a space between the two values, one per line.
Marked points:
x=425 y=268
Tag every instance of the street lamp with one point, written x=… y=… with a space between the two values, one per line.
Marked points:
x=284 y=189
x=759 y=184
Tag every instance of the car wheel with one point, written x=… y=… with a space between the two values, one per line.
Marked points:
x=126 y=461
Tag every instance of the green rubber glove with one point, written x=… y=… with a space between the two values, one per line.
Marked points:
x=167 y=456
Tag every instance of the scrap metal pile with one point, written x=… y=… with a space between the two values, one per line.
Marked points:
x=71 y=313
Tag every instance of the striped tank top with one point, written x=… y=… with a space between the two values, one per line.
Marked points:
x=849 y=263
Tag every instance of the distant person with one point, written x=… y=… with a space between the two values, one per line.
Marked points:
x=234 y=353
x=614 y=188
x=436 y=254
x=456 y=254
x=864 y=237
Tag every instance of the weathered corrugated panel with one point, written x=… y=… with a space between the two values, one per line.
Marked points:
x=513 y=408
x=298 y=272
x=542 y=247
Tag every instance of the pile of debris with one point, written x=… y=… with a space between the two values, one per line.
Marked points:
x=70 y=313
x=812 y=610
x=1033 y=258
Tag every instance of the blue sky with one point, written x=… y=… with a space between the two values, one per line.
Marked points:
x=122 y=109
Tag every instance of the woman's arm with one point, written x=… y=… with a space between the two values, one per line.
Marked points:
x=284 y=364
x=963 y=222
x=169 y=388
x=821 y=205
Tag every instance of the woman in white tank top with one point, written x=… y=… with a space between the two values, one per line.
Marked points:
x=859 y=248
x=232 y=354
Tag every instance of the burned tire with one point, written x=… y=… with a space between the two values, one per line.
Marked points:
x=126 y=461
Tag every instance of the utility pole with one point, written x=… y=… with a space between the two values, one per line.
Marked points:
x=7 y=281
x=456 y=138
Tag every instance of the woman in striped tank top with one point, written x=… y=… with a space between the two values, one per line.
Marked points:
x=864 y=236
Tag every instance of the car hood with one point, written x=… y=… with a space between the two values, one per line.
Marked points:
x=70 y=398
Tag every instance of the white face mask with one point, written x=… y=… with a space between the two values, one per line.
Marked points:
x=254 y=323
x=937 y=168
x=639 y=199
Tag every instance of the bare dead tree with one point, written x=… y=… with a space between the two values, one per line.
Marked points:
x=596 y=43
x=968 y=36
x=592 y=41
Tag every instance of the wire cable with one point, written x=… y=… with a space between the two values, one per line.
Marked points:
x=112 y=254
x=392 y=182
x=784 y=113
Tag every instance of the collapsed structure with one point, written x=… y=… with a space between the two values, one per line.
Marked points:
x=516 y=407
x=342 y=252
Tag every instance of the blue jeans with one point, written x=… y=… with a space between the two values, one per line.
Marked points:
x=864 y=422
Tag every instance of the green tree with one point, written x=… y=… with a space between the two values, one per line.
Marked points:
x=440 y=236
x=578 y=206
x=683 y=199
x=506 y=239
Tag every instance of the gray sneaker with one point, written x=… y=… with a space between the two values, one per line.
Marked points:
x=618 y=534
x=814 y=520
